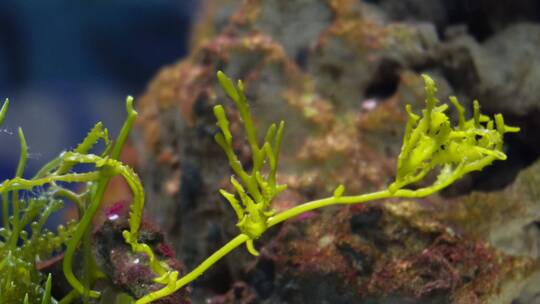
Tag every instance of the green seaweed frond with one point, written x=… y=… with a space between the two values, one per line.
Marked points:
x=3 y=111
x=432 y=143
x=255 y=190
x=23 y=240
x=20 y=252
x=108 y=166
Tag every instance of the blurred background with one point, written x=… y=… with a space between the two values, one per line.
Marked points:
x=65 y=65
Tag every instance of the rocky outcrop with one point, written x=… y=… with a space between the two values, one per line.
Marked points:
x=339 y=72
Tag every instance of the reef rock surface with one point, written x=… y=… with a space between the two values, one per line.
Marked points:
x=340 y=72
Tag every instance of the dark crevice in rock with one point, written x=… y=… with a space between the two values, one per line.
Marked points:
x=385 y=81
x=219 y=279
x=366 y=226
x=474 y=16
x=301 y=58
x=365 y=220
x=191 y=182
x=361 y=262
x=502 y=174
x=262 y=278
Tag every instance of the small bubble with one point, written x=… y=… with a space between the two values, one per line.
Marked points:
x=369 y=104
